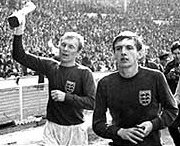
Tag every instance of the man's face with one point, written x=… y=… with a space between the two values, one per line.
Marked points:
x=68 y=50
x=126 y=53
x=176 y=54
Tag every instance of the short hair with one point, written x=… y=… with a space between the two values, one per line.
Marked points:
x=175 y=45
x=79 y=37
x=129 y=35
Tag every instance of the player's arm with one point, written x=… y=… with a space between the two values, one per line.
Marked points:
x=18 y=53
x=100 y=125
x=168 y=103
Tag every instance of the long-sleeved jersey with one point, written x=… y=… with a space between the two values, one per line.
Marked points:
x=76 y=81
x=132 y=101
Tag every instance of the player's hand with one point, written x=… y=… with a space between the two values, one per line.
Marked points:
x=146 y=126
x=177 y=98
x=133 y=135
x=58 y=95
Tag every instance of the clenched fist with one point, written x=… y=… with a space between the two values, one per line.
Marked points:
x=58 y=95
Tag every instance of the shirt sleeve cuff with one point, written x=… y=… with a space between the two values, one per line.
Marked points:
x=155 y=124
x=69 y=98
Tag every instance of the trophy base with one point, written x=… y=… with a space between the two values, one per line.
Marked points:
x=13 y=22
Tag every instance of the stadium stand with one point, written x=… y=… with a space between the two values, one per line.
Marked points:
x=98 y=20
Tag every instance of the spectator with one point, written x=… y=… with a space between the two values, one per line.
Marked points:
x=172 y=72
x=87 y=62
x=146 y=62
x=157 y=22
x=163 y=59
x=176 y=123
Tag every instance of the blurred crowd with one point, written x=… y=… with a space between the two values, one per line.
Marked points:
x=98 y=21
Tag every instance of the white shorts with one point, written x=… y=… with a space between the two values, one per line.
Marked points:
x=55 y=134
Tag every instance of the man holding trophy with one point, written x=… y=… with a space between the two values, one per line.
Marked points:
x=71 y=85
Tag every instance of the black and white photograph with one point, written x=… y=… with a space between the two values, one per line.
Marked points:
x=90 y=72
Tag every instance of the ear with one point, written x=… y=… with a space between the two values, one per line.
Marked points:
x=114 y=56
x=141 y=54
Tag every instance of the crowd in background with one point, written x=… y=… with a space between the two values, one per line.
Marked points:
x=157 y=21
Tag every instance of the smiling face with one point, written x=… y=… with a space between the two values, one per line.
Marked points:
x=126 y=53
x=68 y=51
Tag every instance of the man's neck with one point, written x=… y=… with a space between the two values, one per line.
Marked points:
x=129 y=71
x=67 y=64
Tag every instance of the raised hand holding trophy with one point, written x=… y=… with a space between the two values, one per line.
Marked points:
x=16 y=18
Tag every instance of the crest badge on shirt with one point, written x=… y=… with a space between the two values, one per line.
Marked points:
x=70 y=86
x=145 y=97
